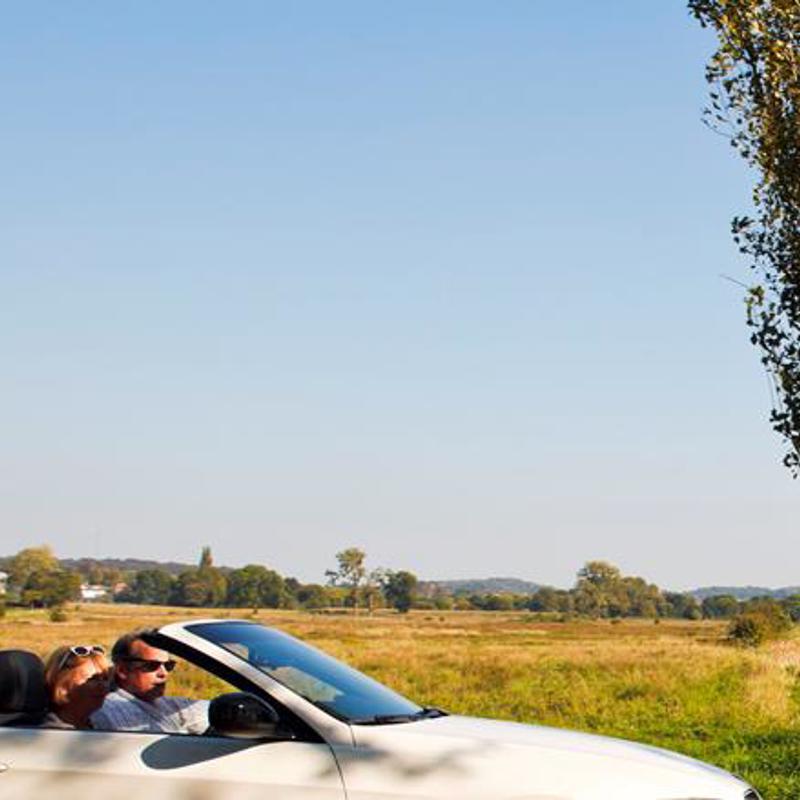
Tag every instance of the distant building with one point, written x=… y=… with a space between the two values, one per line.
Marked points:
x=93 y=592
x=3 y=582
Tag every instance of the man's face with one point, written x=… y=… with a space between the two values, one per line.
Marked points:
x=143 y=674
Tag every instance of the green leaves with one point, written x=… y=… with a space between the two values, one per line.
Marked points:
x=755 y=102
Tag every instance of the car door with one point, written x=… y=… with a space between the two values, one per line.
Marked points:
x=37 y=763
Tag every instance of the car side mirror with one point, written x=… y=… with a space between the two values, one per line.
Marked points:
x=244 y=716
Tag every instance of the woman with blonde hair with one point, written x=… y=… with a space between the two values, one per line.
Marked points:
x=77 y=679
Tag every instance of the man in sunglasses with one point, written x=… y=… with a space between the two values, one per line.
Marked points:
x=137 y=701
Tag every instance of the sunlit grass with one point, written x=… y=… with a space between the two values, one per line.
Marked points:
x=673 y=684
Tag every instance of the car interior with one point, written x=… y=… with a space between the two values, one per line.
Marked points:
x=24 y=700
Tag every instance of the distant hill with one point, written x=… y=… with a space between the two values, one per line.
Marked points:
x=483 y=586
x=744 y=592
x=123 y=564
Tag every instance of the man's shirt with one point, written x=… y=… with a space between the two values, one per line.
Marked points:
x=122 y=711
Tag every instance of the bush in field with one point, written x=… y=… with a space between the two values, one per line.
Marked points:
x=498 y=602
x=444 y=602
x=57 y=614
x=792 y=606
x=761 y=621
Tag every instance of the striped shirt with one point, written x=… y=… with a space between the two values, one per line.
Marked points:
x=122 y=711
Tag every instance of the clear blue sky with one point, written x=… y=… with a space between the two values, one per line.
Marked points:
x=440 y=280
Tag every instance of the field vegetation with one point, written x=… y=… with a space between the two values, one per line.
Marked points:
x=671 y=683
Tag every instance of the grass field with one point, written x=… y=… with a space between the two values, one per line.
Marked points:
x=673 y=684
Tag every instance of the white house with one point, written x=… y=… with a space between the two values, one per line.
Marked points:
x=3 y=582
x=93 y=592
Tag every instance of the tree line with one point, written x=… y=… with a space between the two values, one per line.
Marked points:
x=37 y=579
x=601 y=591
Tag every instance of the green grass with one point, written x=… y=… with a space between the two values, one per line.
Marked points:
x=675 y=685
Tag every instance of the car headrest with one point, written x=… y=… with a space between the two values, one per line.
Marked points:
x=23 y=695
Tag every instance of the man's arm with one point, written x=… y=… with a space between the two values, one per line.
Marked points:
x=193 y=714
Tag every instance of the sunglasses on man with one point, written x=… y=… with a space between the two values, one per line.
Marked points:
x=150 y=664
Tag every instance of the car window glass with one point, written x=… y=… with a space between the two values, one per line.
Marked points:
x=336 y=688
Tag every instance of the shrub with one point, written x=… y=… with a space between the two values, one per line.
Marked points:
x=759 y=623
x=57 y=614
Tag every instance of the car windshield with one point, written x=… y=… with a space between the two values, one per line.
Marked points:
x=338 y=689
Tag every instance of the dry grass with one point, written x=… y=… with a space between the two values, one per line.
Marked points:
x=672 y=684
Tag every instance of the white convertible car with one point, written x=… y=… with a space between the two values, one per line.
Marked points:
x=303 y=725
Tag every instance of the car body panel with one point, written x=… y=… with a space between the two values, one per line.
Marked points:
x=478 y=759
x=115 y=766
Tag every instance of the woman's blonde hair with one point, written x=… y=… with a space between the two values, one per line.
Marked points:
x=60 y=669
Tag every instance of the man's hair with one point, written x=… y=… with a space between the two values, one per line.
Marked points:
x=123 y=647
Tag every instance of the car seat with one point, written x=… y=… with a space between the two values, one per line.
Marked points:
x=23 y=695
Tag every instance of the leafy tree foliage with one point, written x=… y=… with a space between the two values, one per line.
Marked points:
x=602 y=591
x=93 y=571
x=499 y=602
x=204 y=586
x=350 y=572
x=206 y=559
x=721 y=606
x=312 y=595
x=255 y=586
x=103 y=576
x=51 y=588
x=372 y=588
x=28 y=561
x=681 y=606
x=151 y=587
x=549 y=599
x=755 y=100
x=399 y=589
x=38 y=581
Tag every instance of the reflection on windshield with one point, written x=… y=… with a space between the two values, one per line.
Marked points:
x=326 y=682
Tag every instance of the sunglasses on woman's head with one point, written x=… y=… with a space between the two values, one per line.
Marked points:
x=81 y=651
x=151 y=664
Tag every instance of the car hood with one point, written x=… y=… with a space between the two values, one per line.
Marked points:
x=511 y=760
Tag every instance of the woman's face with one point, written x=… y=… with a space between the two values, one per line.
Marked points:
x=89 y=684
